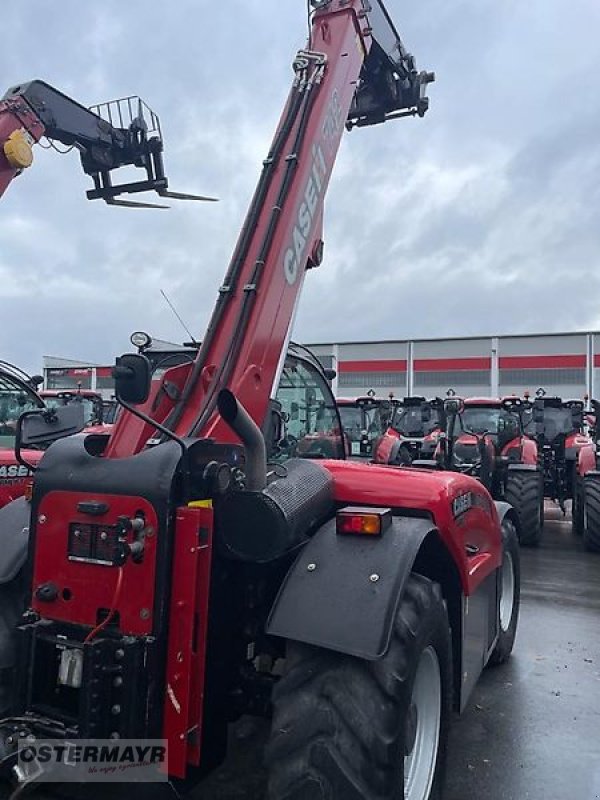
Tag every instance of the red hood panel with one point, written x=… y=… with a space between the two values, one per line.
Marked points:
x=433 y=492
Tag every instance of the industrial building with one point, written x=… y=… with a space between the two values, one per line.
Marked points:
x=564 y=364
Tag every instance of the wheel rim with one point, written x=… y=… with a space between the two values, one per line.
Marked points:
x=507 y=600
x=426 y=707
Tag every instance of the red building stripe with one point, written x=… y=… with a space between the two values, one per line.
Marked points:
x=448 y=364
x=542 y=362
x=104 y=372
x=372 y=366
x=597 y=360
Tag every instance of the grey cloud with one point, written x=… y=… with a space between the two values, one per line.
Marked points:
x=480 y=218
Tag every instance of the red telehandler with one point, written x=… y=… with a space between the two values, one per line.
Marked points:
x=179 y=579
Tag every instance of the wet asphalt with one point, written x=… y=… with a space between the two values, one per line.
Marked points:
x=532 y=727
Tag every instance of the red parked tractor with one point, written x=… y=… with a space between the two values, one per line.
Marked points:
x=413 y=432
x=485 y=438
x=568 y=457
x=179 y=579
x=365 y=420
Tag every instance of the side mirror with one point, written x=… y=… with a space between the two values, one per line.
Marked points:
x=44 y=426
x=330 y=374
x=35 y=381
x=452 y=406
x=132 y=374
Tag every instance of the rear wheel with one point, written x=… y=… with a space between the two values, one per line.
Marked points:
x=12 y=606
x=348 y=729
x=525 y=493
x=591 y=513
x=510 y=594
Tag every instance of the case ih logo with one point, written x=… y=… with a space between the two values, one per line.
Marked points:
x=14 y=471
x=464 y=502
x=295 y=256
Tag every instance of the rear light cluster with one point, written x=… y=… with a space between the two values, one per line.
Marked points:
x=363 y=521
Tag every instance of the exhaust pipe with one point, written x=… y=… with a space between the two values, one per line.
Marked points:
x=242 y=424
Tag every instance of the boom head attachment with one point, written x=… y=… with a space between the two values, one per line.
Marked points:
x=120 y=133
x=390 y=86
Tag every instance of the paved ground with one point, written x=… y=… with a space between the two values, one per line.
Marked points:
x=532 y=729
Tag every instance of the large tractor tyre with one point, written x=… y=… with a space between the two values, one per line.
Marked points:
x=510 y=594
x=349 y=729
x=12 y=606
x=577 y=515
x=591 y=514
x=525 y=493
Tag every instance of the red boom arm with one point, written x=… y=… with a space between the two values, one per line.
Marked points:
x=355 y=67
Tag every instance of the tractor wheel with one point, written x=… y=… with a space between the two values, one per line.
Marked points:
x=525 y=493
x=510 y=594
x=577 y=506
x=349 y=729
x=591 y=513
x=12 y=606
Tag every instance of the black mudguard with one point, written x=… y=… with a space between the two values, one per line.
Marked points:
x=343 y=591
x=14 y=538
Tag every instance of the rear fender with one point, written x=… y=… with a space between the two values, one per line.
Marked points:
x=342 y=592
x=14 y=538
x=506 y=511
x=586 y=459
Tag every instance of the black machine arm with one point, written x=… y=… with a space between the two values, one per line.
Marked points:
x=116 y=134
x=390 y=85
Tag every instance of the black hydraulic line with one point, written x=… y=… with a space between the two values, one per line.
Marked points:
x=241 y=252
x=241 y=326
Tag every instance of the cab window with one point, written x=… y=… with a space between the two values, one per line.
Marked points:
x=310 y=422
x=14 y=400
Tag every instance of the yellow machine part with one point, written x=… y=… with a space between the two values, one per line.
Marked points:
x=18 y=150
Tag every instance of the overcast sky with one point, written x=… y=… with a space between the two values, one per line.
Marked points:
x=481 y=218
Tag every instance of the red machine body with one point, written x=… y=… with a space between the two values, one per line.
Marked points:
x=170 y=534
x=438 y=496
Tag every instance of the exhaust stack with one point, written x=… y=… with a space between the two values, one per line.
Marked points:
x=242 y=424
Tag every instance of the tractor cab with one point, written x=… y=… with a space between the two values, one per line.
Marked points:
x=413 y=432
x=497 y=420
x=365 y=420
x=309 y=421
x=568 y=453
x=303 y=420
x=17 y=395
